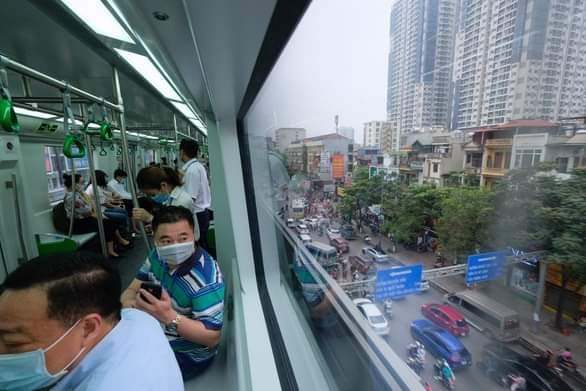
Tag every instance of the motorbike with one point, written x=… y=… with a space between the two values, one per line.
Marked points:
x=450 y=384
x=367 y=239
x=566 y=365
x=388 y=307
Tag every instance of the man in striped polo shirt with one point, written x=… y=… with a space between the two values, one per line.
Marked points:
x=191 y=305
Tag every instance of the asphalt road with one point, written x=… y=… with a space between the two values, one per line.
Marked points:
x=407 y=310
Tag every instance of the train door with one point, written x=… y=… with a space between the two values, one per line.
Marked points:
x=13 y=233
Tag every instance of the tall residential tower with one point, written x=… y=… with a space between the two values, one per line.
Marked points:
x=422 y=36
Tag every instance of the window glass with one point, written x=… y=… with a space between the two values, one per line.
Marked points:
x=56 y=164
x=454 y=84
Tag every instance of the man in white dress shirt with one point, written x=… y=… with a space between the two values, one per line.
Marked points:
x=195 y=183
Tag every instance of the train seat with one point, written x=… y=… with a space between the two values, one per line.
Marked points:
x=49 y=240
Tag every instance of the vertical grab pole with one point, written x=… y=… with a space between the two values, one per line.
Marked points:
x=97 y=201
x=66 y=128
x=176 y=141
x=125 y=156
x=99 y=216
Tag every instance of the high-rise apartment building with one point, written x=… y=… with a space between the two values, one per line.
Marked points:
x=285 y=136
x=373 y=133
x=422 y=36
x=519 y=59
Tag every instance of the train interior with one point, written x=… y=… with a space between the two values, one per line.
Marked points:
x=159 y=72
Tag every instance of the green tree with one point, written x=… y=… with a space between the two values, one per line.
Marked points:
x=563 y=214
x=411 y=210
x=464 y=221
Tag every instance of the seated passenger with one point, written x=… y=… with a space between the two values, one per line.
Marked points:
x=84 y=214
x=116 y=186
x=112 y=206
x=192 y=302
x=163 y=186
x=61 y=325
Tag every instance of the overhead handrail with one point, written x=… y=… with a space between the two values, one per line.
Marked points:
x=8 y=118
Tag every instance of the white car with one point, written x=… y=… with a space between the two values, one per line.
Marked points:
x=290 y=223
x=375 y=255
x=423 y=286
x=373 y=316
x=302 y=229
x=333 y=233
x=305 y=238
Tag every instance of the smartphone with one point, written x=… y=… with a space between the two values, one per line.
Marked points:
x=152 y=288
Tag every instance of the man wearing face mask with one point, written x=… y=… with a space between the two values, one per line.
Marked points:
x=62 y=327
x=191 y=304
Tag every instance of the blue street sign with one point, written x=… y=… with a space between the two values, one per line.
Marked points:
x=484 y=267
x=397 y=282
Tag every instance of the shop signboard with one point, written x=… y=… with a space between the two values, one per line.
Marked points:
x=338 y=166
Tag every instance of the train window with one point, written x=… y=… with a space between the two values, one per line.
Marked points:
x=56 y=164
x=321 y=156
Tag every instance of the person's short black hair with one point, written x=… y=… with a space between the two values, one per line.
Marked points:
x=101 y=178
x=172 y=214
x=68 y=181
x=120 y=173
x=189 y=147
x=76 y=284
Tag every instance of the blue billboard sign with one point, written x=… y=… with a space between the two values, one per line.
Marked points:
x=397 y=282
x=485 y=267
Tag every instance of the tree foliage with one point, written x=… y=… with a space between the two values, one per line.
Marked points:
x=463 y=226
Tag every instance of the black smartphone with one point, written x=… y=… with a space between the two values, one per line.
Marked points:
x=152 y=288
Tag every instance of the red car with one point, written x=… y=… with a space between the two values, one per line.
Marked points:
x=340 y=244
x=447 y=317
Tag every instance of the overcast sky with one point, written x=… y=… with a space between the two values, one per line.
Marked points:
x=335 y=63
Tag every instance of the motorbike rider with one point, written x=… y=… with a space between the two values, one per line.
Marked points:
x=445 y=371
x=518 y=382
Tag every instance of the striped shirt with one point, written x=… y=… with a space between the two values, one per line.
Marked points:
x=196 y=288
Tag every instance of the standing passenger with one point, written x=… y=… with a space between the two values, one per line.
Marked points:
x=61 y=326
x=163 y=186
x=191 y=305
x=197 y=186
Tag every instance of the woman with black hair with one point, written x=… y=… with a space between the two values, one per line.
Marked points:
x=112 y=205
x=84 y=214
x=163 y=186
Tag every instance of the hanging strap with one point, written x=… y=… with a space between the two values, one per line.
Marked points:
x=73 y=147
x=8 y=118
x=104 y=129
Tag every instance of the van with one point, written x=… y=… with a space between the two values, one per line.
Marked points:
x=497 y=320
x=326 y=255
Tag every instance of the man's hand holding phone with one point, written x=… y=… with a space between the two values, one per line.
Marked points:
x=160 y=307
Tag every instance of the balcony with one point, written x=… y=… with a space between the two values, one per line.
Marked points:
x=499 y=142
x=494 y=171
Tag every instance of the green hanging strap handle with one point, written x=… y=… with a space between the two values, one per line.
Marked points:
x=104 y=129
x=103 y=152
x=8 y=118
x=73 y=147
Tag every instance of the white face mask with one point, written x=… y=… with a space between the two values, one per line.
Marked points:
x=28 y=371
x=176 y=254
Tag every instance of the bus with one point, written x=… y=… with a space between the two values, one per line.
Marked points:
x=497 y=320
x=324 y=253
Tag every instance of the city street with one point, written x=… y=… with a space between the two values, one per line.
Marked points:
x=407 y=310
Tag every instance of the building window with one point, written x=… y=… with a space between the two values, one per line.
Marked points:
x=525 y=158
x=435 y=168
x=498 y=160
x=56 y=164
x=562 y=164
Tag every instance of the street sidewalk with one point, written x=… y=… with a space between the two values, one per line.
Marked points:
x=543 y=338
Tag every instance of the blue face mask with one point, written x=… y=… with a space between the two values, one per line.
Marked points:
x=28 y=371
x=161 y=198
